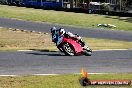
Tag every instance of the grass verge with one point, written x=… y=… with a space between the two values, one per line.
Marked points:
x=58 y=81
x=66 y=18
x=26 y=40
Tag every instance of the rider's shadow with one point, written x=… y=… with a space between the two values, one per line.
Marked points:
x=45 y=52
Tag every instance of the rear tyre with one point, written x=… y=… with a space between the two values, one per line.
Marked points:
x=68 y=49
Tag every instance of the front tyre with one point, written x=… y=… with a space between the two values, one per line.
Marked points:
x=88 y=52
x=68 y=49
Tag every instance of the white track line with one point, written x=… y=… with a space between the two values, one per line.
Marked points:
x=44 y=74
x=49 y=74
x=93 y=50
x=95 y=73
x=23 y=50
x=1 y=27
x=8 y=75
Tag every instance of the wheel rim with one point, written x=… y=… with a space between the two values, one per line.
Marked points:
x=68 y=49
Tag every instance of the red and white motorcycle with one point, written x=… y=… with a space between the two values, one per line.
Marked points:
x=70 y=46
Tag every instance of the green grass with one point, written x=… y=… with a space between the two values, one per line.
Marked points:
x=66 y=18
x=59 y=81
x=18 y=40
x=97 y=44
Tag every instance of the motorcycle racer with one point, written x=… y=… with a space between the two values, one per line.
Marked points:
x=68 y=43
x=62 y=32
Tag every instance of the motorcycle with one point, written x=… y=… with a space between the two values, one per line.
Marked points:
x=70 y=46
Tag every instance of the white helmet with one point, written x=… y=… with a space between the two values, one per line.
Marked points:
x=61 y=31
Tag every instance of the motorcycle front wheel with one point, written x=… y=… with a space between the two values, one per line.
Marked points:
x=87 y=52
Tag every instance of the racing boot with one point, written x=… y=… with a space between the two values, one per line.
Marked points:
x=82 y=43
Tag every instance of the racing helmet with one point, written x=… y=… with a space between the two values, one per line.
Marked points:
x=61 y=31
x=53 y=29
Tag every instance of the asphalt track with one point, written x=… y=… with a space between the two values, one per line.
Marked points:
x=45 y=27
x=36 y=62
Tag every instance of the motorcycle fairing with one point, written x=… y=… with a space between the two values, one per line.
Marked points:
x=77 y=47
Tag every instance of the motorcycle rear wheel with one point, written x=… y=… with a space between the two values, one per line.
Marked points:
x=68 y=49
